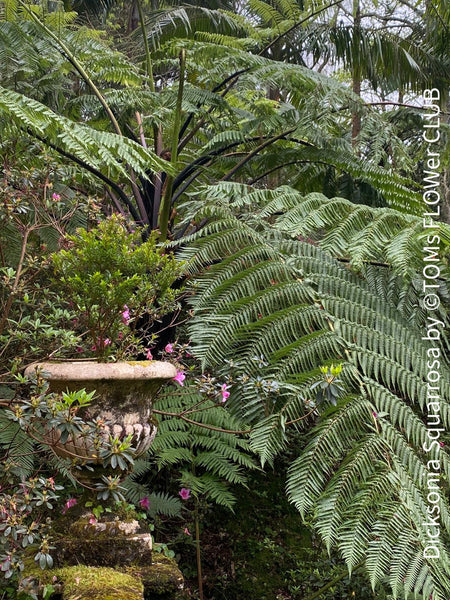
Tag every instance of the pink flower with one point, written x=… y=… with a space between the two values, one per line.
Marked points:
x=56 y=196
x=186 y=531
x=79 y=349
x=375 y=415
x=92 y=521
x=225 y=392
x=185 y=493
x=441 y=444
x=169 y=348
x=70 y=502
x=106 y=342
x=179 y=377
x=125 y=315
x=149 y=354
x=144 y=503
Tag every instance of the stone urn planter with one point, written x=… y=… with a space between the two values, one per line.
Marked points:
x=124 y=393
x=107 y=558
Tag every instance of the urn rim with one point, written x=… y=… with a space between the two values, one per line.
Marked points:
x=139 y=370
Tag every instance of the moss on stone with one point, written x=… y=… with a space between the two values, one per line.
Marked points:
x=102 y=551
x=162 y=579
x=105 y=549
x=98 y=583
x=140 y=363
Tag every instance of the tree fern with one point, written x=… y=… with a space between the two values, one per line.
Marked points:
x=184 y=21
x=361 y=234
x=278 y=309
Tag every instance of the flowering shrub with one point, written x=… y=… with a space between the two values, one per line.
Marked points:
x=22 y=524
x=35 y=322
x=32 y=476
x=118 y=286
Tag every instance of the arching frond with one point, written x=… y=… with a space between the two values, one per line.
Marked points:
x=274 y=310
x=204 y=449
x=93 y=148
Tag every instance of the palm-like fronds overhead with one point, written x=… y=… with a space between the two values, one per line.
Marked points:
x=402 y=54
x=239 y=135
x=279 y=309
x=185 y=21
x=389 y=61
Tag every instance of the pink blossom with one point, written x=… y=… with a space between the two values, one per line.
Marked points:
x=149 y=354
x=441 y=444
x=186 y=531
x=92 y=521
x=79 y=349
x=225 y=392
x=106 y=342
x=185 y=493
x=375 y=415
x=125 y=315
x=56 y=196
x=70 y=502
x=179 y=377
x=169 y=348
x=144 y=503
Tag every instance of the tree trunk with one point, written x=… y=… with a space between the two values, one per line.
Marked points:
x=133 y=17
x=356 y=69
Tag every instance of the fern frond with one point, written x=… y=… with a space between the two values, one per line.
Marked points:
x=94 y=148
x=290 y=303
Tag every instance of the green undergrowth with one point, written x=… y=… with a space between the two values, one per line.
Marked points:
x=264 y=552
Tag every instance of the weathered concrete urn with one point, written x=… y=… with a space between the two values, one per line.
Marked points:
x=123 y=400
x=108 y=559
